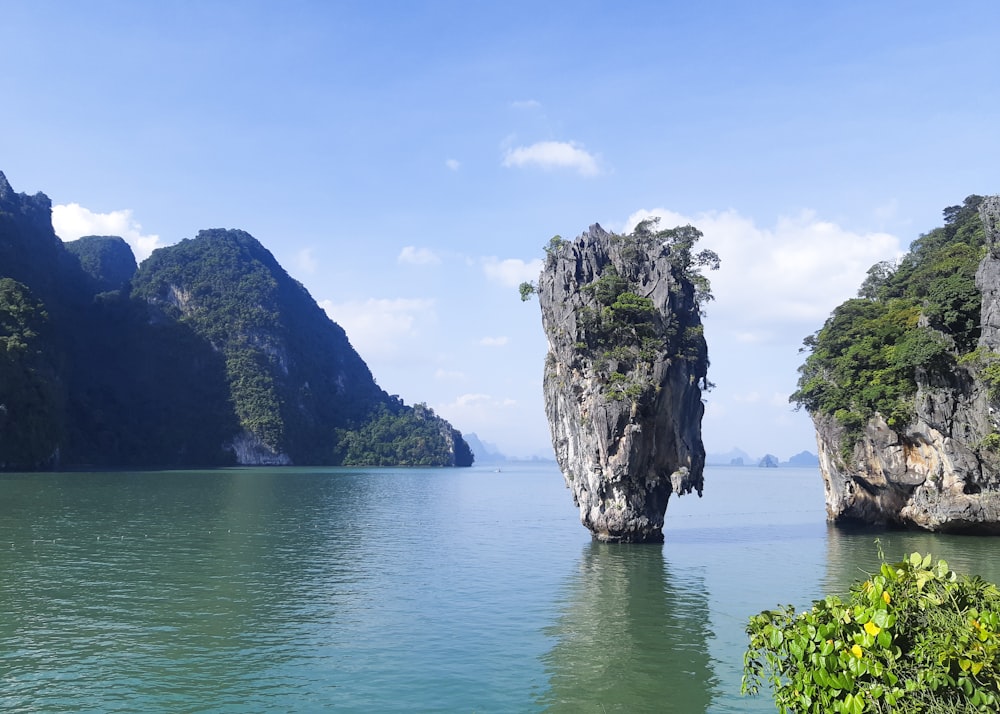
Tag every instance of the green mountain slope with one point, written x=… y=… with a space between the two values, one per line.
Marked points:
x=920 y=317
x=208 y=354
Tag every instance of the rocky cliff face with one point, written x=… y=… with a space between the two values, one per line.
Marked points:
x=623 y=376
x=941 y=472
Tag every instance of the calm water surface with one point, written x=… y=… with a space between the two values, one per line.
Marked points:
x=257 y=590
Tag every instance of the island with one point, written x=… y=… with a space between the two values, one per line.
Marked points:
x=903 y=384
x=624 y=373
x=206 y=354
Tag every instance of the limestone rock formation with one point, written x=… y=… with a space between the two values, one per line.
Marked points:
x=941 y=470
x=626 y=365
x=208 y=354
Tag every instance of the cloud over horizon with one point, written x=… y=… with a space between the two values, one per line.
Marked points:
x=511 y=272
x=377 y=327
x=72 y=221
x=794 y=272
x=418 y=256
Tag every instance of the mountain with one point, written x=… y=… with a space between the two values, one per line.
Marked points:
x=733 y=457
x=803 y=459
x=206 y=354
x=903 y=384
x=484 y=452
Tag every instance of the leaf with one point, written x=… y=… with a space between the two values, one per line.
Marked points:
x=776 y=638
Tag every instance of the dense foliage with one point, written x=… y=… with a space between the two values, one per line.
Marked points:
x=623 y=333
x=101 y=365
x=29 y=396
x=399 y=436
x=294 y=380
x=915 y=637
x=107 y=260
x=919 y=315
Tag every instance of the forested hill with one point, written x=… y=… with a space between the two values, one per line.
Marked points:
x=912 y=321
x=206 y=354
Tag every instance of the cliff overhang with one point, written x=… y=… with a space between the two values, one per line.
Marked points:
x=938 y=469
x=623 y=376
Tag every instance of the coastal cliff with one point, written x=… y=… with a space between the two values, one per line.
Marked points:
x=626 y=365
x=903 y=385
x=206 y=354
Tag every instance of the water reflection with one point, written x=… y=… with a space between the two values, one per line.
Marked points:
x=852 y=554
x=632 y=636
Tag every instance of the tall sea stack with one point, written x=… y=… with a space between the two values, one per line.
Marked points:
x=624 y=373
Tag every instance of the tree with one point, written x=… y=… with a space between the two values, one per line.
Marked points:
x=878 y=276
x=29 y=398
x=920 y=316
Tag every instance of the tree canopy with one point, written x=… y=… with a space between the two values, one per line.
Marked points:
x=921 y=314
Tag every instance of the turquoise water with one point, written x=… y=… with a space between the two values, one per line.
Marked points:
x=257 y=590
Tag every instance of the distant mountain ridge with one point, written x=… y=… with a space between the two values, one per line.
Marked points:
x=739 y=457
x=206 y=354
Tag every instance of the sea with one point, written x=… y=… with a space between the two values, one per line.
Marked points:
x=404 y=590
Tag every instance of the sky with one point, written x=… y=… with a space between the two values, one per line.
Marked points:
x=408 y=161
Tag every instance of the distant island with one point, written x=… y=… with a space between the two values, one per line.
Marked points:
x=739 y=457
x=206 y=354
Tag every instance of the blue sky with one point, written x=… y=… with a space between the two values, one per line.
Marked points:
x=407 y=161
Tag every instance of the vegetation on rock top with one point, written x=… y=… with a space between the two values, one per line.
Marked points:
x=919 y=316
x=622 y=333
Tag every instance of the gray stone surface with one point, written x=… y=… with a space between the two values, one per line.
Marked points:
x=935 y=474
x=623 y=458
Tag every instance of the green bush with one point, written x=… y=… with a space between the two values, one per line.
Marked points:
x=915 y=637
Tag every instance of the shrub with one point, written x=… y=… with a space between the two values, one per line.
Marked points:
x=916 y=637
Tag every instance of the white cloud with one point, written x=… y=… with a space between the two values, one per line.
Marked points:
x=72 y=221
x=446 y=375
x=526 y=104
x=552 y=155
x=493 y=341
x=795 y=272
x=888 y=210
x=467 y=408
x=418 y=256
x=378 y=327
x=779 y=400
x=469 y=400
x=714 y=410
x=453 y=164
x=511 y=272
x=750 y=337
x=305 y=261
